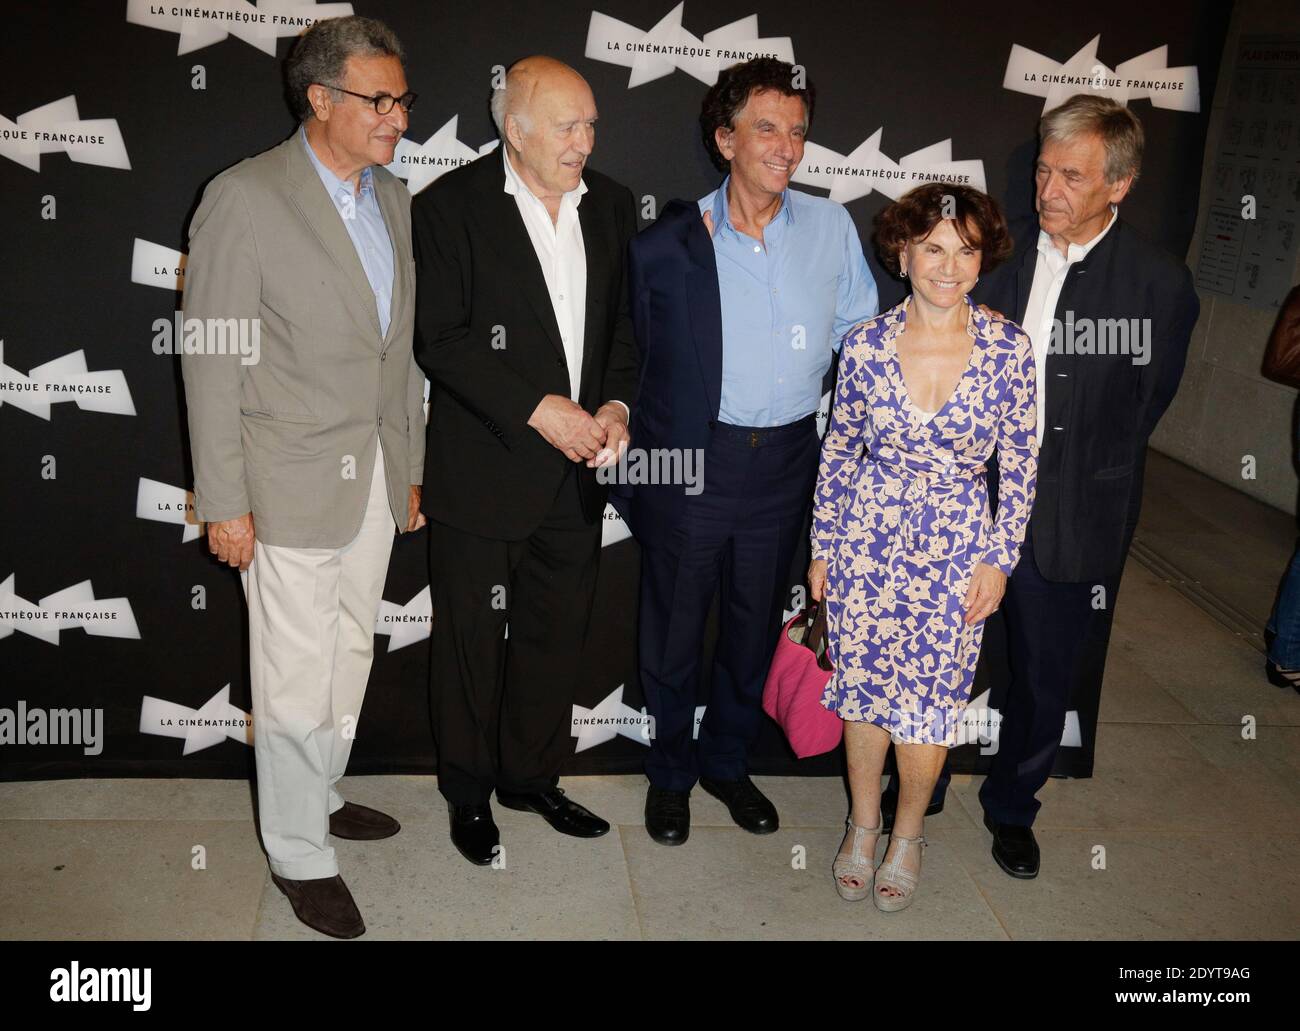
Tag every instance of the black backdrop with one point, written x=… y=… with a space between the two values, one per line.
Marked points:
x=82 y=519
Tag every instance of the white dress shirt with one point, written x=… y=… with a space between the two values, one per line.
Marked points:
x=1049 y=276
x=563 y=257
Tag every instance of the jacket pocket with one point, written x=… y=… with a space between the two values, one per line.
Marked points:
x=1113 y=472
x=266 y=413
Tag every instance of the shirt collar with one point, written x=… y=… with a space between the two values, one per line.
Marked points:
x=514 y=184
x=722 y=213
x=1076 y=251
x=332 y=182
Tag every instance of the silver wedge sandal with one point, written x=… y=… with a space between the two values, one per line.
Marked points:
x=892 y=874
x=859 y=863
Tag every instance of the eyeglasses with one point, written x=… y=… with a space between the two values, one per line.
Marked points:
x=383 y=101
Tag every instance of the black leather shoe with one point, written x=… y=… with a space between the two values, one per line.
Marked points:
x=889 y=806
x=474 y=832
x=748 y=806
x=668 y=815
x=565 y=815
x=323 y=904
x=1014 y=848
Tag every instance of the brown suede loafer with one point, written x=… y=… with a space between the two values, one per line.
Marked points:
x=362 y=824
x=324 y=904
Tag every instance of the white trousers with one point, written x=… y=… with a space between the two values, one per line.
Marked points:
x=311 y=630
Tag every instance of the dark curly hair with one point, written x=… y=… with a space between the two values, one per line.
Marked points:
x=977 y=218
x=733 y=89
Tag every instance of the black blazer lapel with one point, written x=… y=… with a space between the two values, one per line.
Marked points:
x=1025 y=280
x=504 y=228
x=601 y=259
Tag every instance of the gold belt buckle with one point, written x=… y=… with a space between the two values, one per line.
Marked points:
x=753 y=438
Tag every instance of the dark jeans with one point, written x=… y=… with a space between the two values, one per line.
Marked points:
x=1284 y=621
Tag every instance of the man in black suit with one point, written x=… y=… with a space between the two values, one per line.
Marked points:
x=1110 y=315
x=522 y=327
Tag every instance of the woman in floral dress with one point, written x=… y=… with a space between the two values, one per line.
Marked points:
x=905 y=551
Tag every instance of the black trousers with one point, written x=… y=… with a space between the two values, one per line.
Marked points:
x=737 y=537
x=502 y=706
x=1055 y=638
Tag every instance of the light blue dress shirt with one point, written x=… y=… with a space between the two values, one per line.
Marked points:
x=786 y=303
x=364 y=222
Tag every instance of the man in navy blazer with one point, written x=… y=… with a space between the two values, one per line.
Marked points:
x=739 y=302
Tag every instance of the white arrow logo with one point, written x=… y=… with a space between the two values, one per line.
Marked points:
x=260 y=26
x=152 y=264
x=981 y=723
x=1147 y=76
x=163 y=503
x=199 y=728
x=606 y=720
x=667 y=47
x=73 y=607
x=610 y=718
x=64 y=379
x=421 y=163
x=405 y=624
x=612 y=528
x=868 y=168
x=57 y=127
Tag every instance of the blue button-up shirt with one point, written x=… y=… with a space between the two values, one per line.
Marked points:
x=365 y=225
x=786 y=302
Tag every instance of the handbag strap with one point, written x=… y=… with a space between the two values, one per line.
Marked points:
x=817 y=635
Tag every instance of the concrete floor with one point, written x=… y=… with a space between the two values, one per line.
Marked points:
x=1186 y=831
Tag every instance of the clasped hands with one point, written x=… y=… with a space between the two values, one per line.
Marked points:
x=598 y=440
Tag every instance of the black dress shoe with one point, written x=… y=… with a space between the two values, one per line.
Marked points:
x=668 y=815
x=323 y=904
x=748 y=806
x=474 y=832
x=1014 y=848
x=889 y=806
x=565 y=815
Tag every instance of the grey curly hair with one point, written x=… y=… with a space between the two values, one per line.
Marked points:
x=321 y=55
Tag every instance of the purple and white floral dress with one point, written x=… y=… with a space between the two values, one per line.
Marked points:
x=901 y=516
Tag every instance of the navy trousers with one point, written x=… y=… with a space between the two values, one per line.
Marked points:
x=738 y=536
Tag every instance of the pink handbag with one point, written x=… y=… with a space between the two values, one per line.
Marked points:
x=796 y=681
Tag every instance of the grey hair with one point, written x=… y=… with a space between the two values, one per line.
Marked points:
x=321 y=55
x=505 y=101
x=1088 y=114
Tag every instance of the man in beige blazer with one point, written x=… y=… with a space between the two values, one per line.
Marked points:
x=308 y=448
